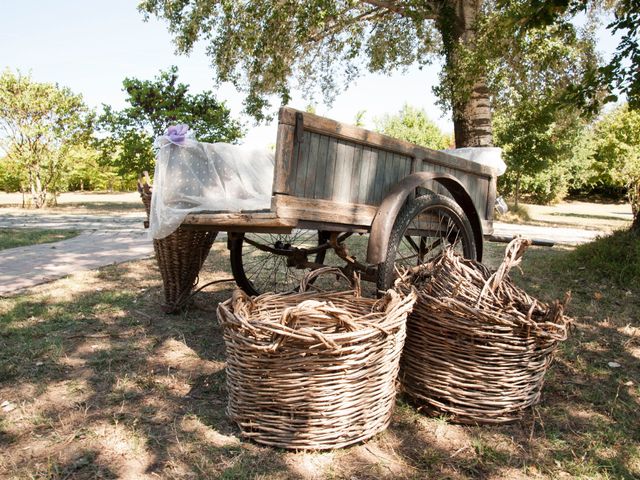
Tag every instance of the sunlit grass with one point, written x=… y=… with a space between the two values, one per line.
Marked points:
x=20 y=237
x=615 y=257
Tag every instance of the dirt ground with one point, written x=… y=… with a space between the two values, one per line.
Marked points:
x=97 y=382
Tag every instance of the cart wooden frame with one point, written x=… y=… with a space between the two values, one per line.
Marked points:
x=340 y=179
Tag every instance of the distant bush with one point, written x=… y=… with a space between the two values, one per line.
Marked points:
x=10 y=176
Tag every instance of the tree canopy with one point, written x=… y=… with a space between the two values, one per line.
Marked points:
x=261 y=46
x=128 y=135
x=537 y=137
x=614 y=150
x=40 y=123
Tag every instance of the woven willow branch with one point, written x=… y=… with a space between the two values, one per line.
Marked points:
x=313 y=370
x=477 y=345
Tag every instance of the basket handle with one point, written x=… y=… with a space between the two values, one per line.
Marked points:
x=512 y=258
x=241 y=303
x=319 y=312
x=389 y=301
x=307 y=281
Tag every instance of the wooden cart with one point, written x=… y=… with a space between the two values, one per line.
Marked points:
x=333 y=182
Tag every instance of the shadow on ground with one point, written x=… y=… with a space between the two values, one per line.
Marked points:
x=102 y=384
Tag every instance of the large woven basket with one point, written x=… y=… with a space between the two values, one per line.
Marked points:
x=313 y=370
x=477 y=346
x=180 y=256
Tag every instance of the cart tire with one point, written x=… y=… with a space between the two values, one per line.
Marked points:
x=256 y=271
x=453 y=227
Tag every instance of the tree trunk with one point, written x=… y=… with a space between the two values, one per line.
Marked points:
x=472 y=119
x=38 y=194
x=471 y=105
x=634 y=199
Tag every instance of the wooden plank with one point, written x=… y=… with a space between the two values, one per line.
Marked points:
x=409 y=167
x=329 y=173
x=299 y=165
x=310 y=171
x=356 y=172
x=240 y=228
x=342 y=177
x=320 y=167
x=390 y=174
x=366 y=175
x=243 y=220
x=317 y=210
x=284 y=158
x=379 y=169
x=354 y=134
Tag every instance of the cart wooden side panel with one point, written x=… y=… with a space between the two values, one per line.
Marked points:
x=337 y=174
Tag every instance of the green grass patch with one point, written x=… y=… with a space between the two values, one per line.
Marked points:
x=21 y=237
x=615 y=257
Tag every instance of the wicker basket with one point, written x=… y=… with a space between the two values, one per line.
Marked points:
x=180 y=256
x=477 y=346
x=313 y=370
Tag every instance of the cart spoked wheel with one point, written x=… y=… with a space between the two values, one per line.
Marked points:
x=273 y=262
x=423 y=228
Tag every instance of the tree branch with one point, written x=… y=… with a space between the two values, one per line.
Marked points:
x=430 y=11
x=331 y=29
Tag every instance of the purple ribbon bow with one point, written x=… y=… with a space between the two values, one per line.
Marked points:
x=177 y=133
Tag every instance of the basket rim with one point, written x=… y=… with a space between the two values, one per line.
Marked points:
x=369 y=324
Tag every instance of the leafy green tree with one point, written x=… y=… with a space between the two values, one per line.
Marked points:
x=86 y=172
x=538 y=138
x=40 y=123
x=12 y=178
x=153 y=106
x=620 y=74
x=615 y=150
x=415 y=126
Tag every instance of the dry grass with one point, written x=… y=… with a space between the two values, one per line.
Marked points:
x=79 y=203
x=101 y=384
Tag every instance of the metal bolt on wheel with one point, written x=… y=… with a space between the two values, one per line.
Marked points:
x=268 y=262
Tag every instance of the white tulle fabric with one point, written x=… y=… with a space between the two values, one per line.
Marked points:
x=489 y=156
x=193 y=176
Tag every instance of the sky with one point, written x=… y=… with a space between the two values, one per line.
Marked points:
x=90 y=46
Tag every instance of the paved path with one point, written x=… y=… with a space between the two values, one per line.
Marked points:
x=24 y=267
x=108 y=239
x=129 y=221
x=105 y=239
x=557 y=235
